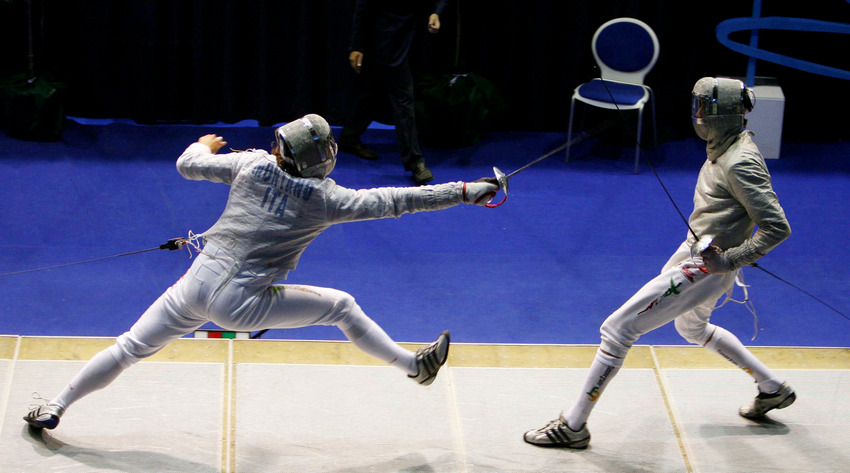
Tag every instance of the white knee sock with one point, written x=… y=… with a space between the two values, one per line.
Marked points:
x=101 y=370
x=602 y=370
x=368 y=336
x=727 y=345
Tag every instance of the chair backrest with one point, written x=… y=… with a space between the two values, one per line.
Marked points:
x=625 y=49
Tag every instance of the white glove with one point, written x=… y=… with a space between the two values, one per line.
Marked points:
x=716 y=260
x=480 y=192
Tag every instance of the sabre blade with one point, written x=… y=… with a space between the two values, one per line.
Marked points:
x=598 y=129
x=550 y=153
x=502 y=179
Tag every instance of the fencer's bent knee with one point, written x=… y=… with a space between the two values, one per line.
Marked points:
x=614 y=341
x=344 y=304
x=340 y=314
x=349 y=317
x=128 y=351
x=694 y=331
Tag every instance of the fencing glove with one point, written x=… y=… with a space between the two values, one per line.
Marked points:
x=716 y=260
x=481 y=191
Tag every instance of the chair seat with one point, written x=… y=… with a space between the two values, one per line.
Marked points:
x=626 y=95
x=625 y=50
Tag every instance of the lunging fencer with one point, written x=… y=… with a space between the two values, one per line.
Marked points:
x=279 y=202
x=733 y=195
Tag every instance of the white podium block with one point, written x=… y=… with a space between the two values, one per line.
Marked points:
x=766 y=119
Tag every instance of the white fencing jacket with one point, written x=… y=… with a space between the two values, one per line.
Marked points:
x=733 y=195
x=271 y=216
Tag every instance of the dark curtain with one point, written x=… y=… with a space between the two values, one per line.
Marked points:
x=538 y=52
x=196 y=61
x=216 y=60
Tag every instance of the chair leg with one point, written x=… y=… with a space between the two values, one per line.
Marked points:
x=654 y=123
x=637 y=140
x=570 y=127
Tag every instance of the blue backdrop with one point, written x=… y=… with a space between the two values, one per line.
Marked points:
x=572 y=242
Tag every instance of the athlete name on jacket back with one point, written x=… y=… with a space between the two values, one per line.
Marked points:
x=280 y=187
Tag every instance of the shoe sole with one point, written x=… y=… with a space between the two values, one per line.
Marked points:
x=782 y=405
x=49 y=424
x=580 y=445
x=429 y=381
x=787 y=402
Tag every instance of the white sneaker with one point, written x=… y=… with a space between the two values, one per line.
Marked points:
x=430 y=359
x=558 y=434
x=44 y=417
x=767 y=402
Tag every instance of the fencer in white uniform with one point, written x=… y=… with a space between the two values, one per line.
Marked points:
x=733 y=195
x=278 y=204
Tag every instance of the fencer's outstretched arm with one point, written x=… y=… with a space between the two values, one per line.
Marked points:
x=199 y=162
x=346 y=205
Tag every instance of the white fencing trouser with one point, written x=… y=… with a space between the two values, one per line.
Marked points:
x=216 y=289
x=682 y=292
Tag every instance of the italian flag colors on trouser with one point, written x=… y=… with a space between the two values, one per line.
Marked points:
x=211 y=333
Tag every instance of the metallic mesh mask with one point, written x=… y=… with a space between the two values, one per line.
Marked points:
x=718 y=106
x=308 y=145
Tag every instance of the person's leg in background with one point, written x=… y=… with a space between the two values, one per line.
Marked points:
x=399 y=83
x=367 y=93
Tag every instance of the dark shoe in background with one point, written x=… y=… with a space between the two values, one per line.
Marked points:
x=358 y=149
x=421 y=173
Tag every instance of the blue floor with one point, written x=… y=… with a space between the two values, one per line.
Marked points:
x=572 y=242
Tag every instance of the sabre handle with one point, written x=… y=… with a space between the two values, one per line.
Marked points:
x=480 y=192
x=502 y=181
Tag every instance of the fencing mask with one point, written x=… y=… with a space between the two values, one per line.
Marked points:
x=308 y=145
